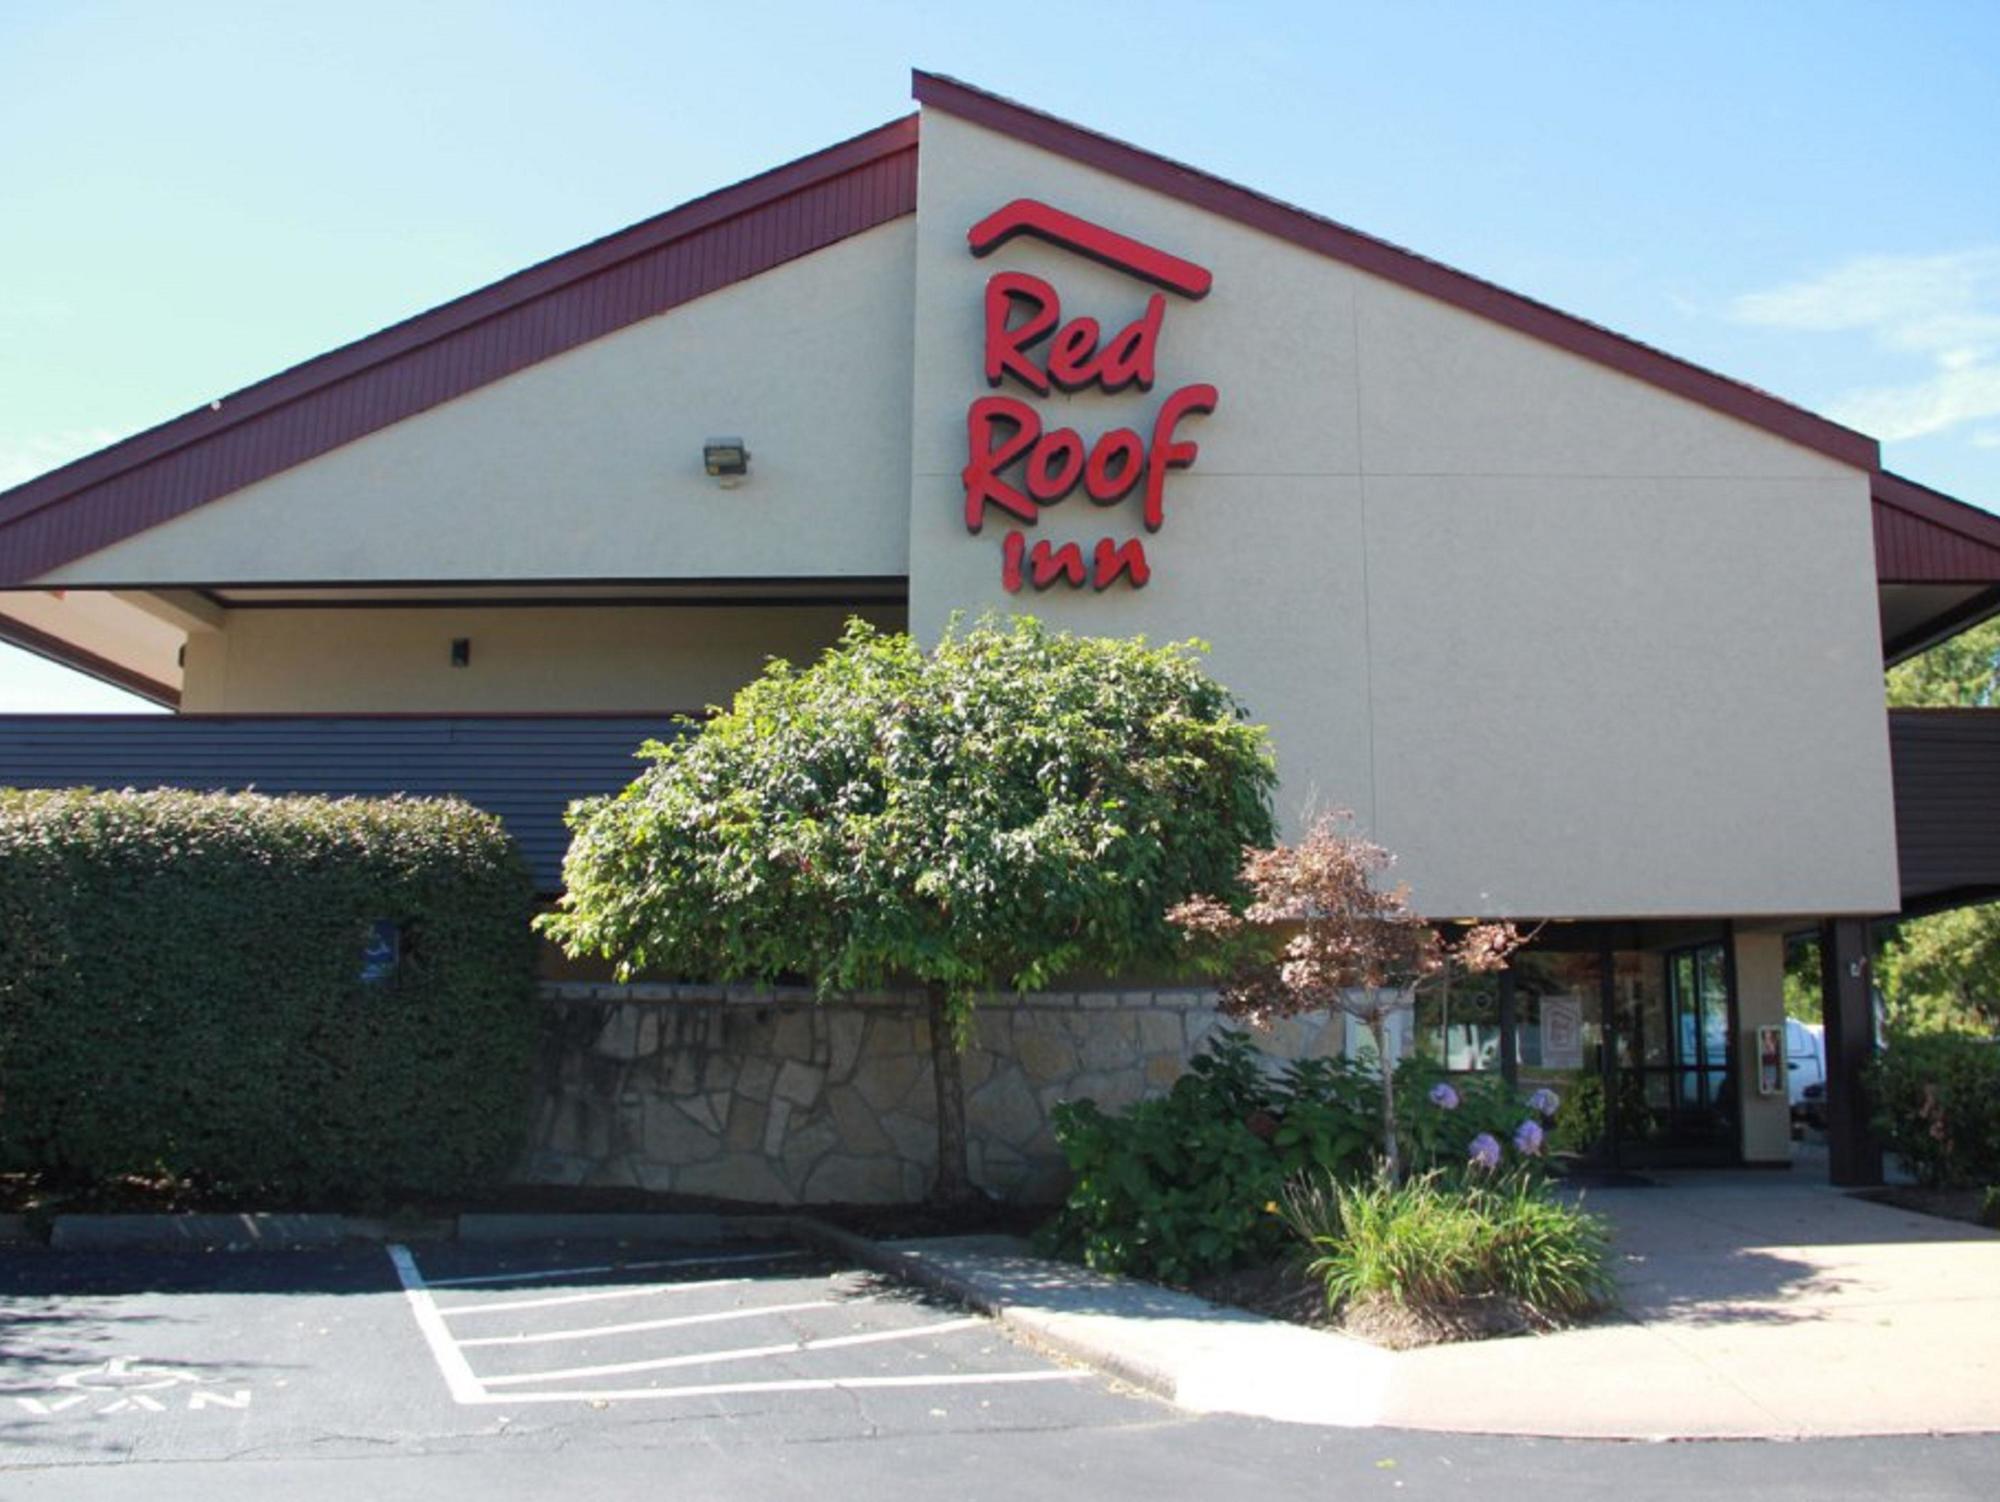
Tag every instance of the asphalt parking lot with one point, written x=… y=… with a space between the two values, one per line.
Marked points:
x=185 y=1356
x=457 y=1371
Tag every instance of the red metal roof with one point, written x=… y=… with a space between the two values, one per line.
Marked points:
x=450 y=350
x=1923 y=536
x=1393 y=263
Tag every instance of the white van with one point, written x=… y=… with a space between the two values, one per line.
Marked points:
x=1805 y=1058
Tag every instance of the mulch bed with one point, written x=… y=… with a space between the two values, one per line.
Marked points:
x=1281 y=1290
x=1946 y=1204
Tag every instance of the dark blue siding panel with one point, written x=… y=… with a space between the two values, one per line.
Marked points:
x=524 y=770
x=1947 y=780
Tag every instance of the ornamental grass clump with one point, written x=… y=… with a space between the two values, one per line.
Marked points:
x=1473 y=1244
x=1432 y=1258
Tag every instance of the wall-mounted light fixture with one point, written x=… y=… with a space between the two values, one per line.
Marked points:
x=726 y=460
x=461 y=651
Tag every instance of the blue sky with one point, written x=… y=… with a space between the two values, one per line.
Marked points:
x=1805 y=196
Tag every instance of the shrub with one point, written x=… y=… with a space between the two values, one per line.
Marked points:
x=1433 y=1243
x=1189 y=1183
x=1012 y=805
x=1937 y=1103
x=181 y=991
x=1177 y=1186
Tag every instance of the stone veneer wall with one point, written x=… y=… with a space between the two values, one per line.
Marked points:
x=770 y=1097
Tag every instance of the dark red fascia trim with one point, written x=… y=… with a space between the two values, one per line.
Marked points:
x=380 y=349
x=1391 y=262
x=259 y=716
x=56 y=650
x=1937 y=508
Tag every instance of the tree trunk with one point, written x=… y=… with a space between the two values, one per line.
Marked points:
x=953 y=1185
x=1392 y=1155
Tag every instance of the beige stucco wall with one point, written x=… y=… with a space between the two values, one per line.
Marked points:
x=1570 y=645
x=588 y=465
x=551 y=658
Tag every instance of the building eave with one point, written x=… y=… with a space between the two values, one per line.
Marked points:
x=533 y=315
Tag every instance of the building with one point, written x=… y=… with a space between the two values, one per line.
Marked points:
x=1584 y=633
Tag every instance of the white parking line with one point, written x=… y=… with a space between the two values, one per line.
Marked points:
x=792 y=1384
x=451 y=1361
x=596 y=1296
x=743 y=1353
x=632 y=1326
x=468 y=1388
x=542 y=1274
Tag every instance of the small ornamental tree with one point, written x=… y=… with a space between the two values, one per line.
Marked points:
x=1321 y=933
x=1016 y=805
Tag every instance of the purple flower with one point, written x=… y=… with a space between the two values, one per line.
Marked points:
x=1528 y=1138
x=1485 y=1151
x=1546 y=1102
x=1443 y=1095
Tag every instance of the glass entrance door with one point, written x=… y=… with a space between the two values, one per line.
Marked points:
x=1674 y=1090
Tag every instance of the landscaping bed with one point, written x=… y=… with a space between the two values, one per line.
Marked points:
x=1264 y=1187
x=1977 y=1207
x=1284 y=1290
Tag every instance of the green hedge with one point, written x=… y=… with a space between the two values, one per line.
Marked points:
x=1937 y=1102
x=182 y=992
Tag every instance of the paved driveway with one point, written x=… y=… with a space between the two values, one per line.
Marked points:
x=648 y=1371
x=1756 y=1304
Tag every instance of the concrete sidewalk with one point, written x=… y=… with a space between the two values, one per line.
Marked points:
x=1755 y=1305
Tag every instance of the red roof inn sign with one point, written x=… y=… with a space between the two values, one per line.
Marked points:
x=1005 y=433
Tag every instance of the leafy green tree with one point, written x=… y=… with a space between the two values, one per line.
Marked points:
x=1016 y=805
x=1960 y=673
x=1804 y=998
x=1947 y=971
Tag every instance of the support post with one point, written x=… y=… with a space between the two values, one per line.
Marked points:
x=1764 y=1121
x=1846 y=992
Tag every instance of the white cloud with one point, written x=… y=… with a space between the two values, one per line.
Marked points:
x=22 y=458
x=1986 y=438
x=1944 y=309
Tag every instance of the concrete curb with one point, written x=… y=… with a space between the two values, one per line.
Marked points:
x=621 y=1226
x=266 y=1231
x=240 y=1232
x=1646 y=1376
x=1196 y=1355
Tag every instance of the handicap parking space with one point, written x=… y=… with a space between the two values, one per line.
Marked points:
x=366 y=1349
x=694 y=1325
